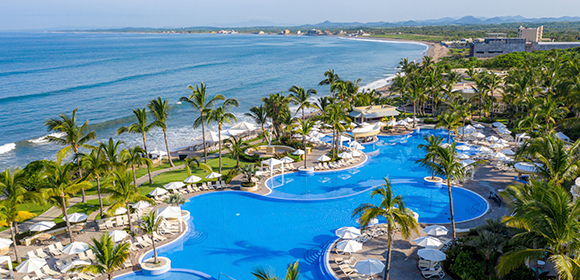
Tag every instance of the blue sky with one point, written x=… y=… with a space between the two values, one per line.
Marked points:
x=46 y=14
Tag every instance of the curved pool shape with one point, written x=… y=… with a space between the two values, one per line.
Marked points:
x=235 y=232
x=173 y=274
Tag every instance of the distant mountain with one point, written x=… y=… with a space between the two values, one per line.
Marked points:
x=442 y=21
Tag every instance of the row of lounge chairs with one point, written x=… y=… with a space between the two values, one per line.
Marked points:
x=116 y=221
x=347 y=266
x=335 y=165
x=205 y=186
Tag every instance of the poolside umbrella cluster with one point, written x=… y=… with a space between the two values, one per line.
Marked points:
x=192 y=179
x=349 y=246
x=213 y=175
x=431 y=255
x=435 y=230
x=75 y=248
x=77 y=217
x=42 y=226
x=158 y=192
x=30 y=265
x=117 y=235
x=174 y=185
x=323 y=158
x=369 y=267
x=347 y=232
x=428 y=241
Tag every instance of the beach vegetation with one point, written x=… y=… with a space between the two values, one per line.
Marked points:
x=109 y=256
x=159 y=108
x=277 y=105
x=237 y=146
x=303 y=127
x=221 y=116
x=301 y=97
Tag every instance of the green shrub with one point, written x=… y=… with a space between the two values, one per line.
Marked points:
x=466 y=267
x=520 y=273
x=230 y=175
x=430 y=121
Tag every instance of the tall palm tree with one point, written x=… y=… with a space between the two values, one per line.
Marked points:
x=135 y=156
x=61 y=187
x=463 y=111
x=109 y=256
x=194 y=162
x=393 y=209
x=202 y=103
x=551 y=111
x=160 y=110
x=559 y=162
x=123 y=193
x=299 y=96
x=549 y=226
x=292 y=273
x=111 y=151
x=449 y=121
x=96 y=166
x=329 y=79
x=492 y=83
x=433 y=143
x=333 y=115
x=323 y=102
x=220 y=115
x=142 y=128
x=260 y=116
x=487 y=243
x=15 y=194
x=149 y=225
x=237 y=146
x=74 y=137
x=275 y=104
x=303 y=127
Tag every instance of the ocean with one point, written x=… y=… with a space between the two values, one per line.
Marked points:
x=105 y=75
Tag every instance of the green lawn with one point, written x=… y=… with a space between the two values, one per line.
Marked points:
x=34 y=208
x=87 y=207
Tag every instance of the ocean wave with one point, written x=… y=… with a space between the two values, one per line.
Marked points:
x=100 y=84
x=75 y=65
x=378 y=83
x=43 y=140
x=7 y=148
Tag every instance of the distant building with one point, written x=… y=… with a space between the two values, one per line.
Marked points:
x=261 y=33
x=496 y=44
x=313 y=32
x=298 y=32
x=531 y=34
x=372 y=113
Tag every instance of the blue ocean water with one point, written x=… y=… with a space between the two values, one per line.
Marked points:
x=105 y=75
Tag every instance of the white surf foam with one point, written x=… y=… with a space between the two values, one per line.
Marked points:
x=43 y=140
x=7 y=148
x=378 y=83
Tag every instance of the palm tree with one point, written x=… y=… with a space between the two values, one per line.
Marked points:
x=109 y=257
x=61 y=187
x=260 y=116
x=201 y=102
x=175 y=199
x=449 y=121
x=559 y=163
x=249 y=171
x=220 y=115
x=237 y=146
x=392 y=208
x=492 y=82
x=15 y=194
x=73 y=137
x=111 y=150
x=123 y=193
x=275 y=104
x=333 y=115
x=550 y=111
x=96 y=166
x=463 y=111
x=194 y=162
x=135 y=156
x=160 y=110
x=448 y=166
x=299 y=96
x=292 y=273
x=330 y=79
x=149 y=225
x=433 y=143
x=549 y=226
x=487 y=243
x=142 y=128
x=303 y=127
x=323 y=102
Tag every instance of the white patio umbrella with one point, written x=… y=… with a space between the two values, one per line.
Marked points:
x=502 y=141
x=347 y=232
x=478 y=135
x=431 y=255
x=213 y=175
x=428 y=241
x=498 y=155
x=463 y=148
x=444 y=145
x=467 y=162
x=492 y=138
x=402 y=122
x=5 y=242
x=42 y=226
x=72 y=264
x=392 y=123
x=478 y=126
x=508 y=152
x=30 y=265
x=369 y=267
x=409 y=120
x=349 y=246
x=297 y=135
x=497 y=146
x=298 y=152
x=286 y=160
x=345 y=155
x=120 y=211
x=353 y=143
x=436 y=230
x=157 y=191
x=372 y=222
x=323 y=158
x=355 y=153
x=365 y=124
x=485 y=150
x=526 y=167
x=462 y=156
x=75 y=248
x=358 y=147
x=117 y=235
x=77 y=217
x=244 y=126
x=343 y=139
x=174 y=185
x=192 y=179
x=141 y=205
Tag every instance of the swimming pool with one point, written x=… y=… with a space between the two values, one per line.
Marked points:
x=236 y=232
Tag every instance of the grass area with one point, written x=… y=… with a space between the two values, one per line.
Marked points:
x=34 y=208
x=462 y=51
x=414 y=37
x=84 y=207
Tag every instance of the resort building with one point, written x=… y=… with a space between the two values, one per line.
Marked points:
x=372 y=113
x=531 y=34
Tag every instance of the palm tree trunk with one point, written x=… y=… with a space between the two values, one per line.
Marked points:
x=129 y=216
x=64 y=215
x=237 y=160
x=463 y=131
x=388 y=259
x=134 y=176
x=263 y=132
x=80 y=176
x=203 y=136
x=147 y=153
x=451 y=214
x=304 y=144
x=167 y=147
x=99 y=195
x=14 y=243
x=414 y=114
x=491 y=113
x=16 y=230
x=154 y=249
x=220 y=146
x=448 y=136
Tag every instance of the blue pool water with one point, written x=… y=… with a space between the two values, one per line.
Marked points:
x=177 y=274
x=236 y=232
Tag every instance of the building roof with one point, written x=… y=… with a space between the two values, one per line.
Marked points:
x=374 y=111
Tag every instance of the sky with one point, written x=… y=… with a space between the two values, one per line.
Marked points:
x=51 y=14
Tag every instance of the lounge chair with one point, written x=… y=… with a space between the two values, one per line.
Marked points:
x=427 y=265
x=31 y=255
x=347 y=269
x=38 y=274
x=26 y=277
x=432 y=273
x=133 y=247
x=85 y=276
x=83 y=256
x=41 y=254
x=59 y=246
x=53 y=251
x=224 y=185
x=127 y=263
x=91 y=255
x=109 y=224
x=119 y=221
x=147 y=239
x=189 y=189
x=142 y=241
x=125 y=220
x=49 y=271
x=204 y=186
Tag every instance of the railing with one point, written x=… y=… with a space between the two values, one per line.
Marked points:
x=221 y=273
